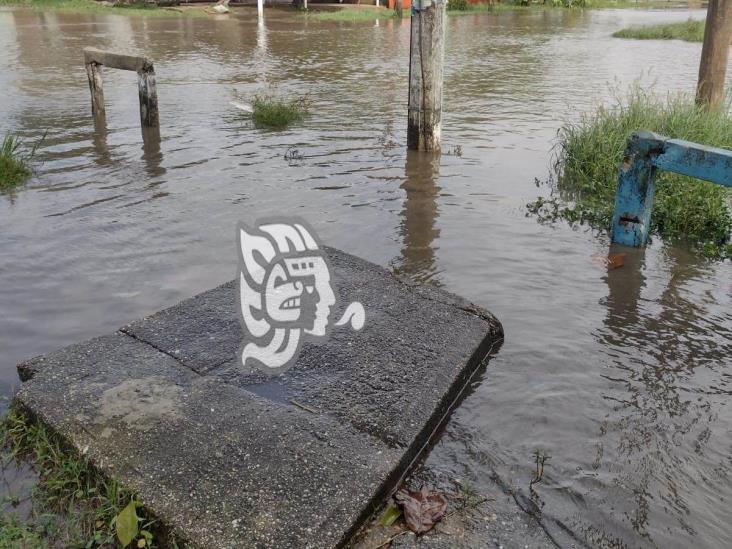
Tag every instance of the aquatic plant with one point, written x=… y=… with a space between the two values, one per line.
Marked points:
x=274 y=112
x=14 y=168
x=691 y=30
x=73 y=505
x=588 y=153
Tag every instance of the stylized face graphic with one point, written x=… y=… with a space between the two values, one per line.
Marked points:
x=298 y=293
x=286 y=294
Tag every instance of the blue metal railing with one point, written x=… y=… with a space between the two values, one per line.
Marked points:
x=645 y=153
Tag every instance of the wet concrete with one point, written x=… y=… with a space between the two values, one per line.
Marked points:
x=162 y=406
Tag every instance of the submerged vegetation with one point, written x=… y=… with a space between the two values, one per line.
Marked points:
x=72 y=505
x=589 y=152
x=14 y=168
x=274 y=112
x=691 y=30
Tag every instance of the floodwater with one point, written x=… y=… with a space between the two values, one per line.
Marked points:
x=623 y=376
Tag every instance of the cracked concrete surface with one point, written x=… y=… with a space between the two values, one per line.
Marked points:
x=229 y=458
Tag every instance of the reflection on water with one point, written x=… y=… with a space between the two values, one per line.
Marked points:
x=419 y=215
x=621 y=375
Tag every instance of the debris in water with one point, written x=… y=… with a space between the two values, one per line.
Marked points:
x=242 y=106
x=422 y=509
x=611 y=261
x=222 y=6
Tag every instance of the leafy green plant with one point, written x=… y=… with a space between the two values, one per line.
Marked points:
x=14 y=162
x=457 y=5
x=589 y=151
x=273 y=112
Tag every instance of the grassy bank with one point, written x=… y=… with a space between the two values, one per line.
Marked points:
x=72 y=505
x=462 y=7
x=14 y=163
x=589 y=151
x=136 y=8
x=690 y=31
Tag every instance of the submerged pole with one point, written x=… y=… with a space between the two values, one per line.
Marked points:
x=426 y=56
x=94 y=73
x=715 y=52
x=148 y=97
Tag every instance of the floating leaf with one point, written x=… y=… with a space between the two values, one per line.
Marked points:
x=422 y=509
x=127 y=524
x=390 y=515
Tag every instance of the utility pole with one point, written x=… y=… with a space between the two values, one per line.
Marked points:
x=715 y=51
x=426 y=57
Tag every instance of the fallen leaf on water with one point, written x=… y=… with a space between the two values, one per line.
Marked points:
x=615 y=260
x=611 y=261
x=422 y=509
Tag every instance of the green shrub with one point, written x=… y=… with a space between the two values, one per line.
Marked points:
x=270 y=111
x=457 y=5
x=588 y=154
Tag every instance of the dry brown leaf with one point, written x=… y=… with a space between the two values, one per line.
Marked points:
x=422 y=509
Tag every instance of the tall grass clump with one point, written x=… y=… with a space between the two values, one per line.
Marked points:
x=589 y=151
x=72 y=504
x=273 y=112
x=691 y=30
x=14 y=163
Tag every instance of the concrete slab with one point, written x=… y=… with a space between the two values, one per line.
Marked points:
x=231 y=459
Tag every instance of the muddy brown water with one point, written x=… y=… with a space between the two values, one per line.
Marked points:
x=623 y=376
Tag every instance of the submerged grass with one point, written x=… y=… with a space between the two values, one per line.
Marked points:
x=14 y=163
x=691 y=30
x=589 y=152
x=73 y=505
x=273 y=112
x=135 y=7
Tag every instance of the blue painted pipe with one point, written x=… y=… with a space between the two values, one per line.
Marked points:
x=645 y=153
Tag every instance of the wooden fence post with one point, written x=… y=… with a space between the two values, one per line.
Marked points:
x=715 y=52
x=148 y=97
x=94 y=73
x=426 y=56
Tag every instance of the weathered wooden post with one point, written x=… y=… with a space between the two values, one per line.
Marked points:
x=148 y=92
x=715 y=52
x=94 y=74
x=426 y=55
x=95 y=59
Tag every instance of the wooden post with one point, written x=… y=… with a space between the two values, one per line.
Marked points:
x=94 y=73
x=426 y=54
x=260 y=8
x=715 y=51
x=94 y=59
x=148 y=97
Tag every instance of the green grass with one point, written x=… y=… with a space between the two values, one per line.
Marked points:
x=589 y=152
x=352 y=14
x=273 y=112
x=134 y=8
x=14 y=169
x=73 y=505
x=690 y=31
